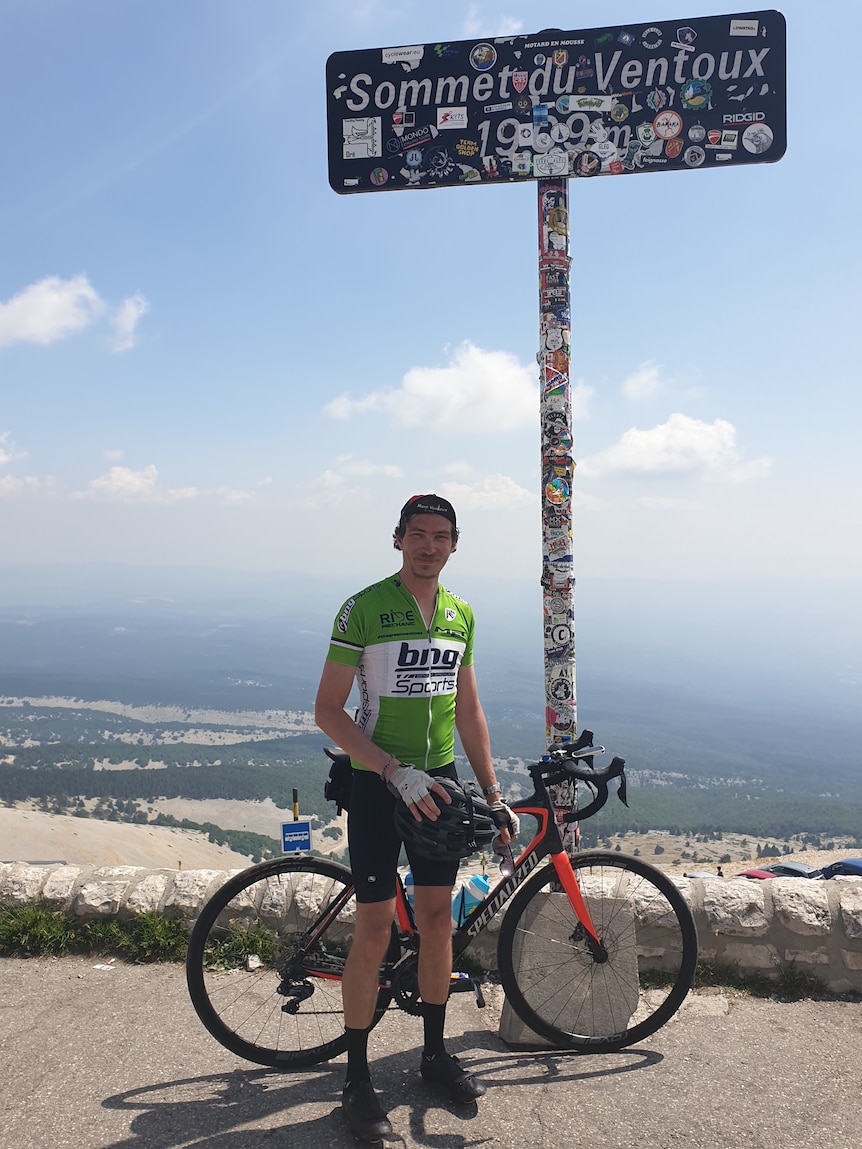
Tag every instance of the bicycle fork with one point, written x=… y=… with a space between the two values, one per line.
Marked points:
x=563 y=867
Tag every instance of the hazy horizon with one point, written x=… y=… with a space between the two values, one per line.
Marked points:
x=796 y=645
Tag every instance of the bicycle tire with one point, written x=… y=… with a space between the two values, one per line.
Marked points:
x=264 y=967
x=556 y=986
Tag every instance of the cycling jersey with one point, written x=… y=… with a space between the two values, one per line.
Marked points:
x=406 y=673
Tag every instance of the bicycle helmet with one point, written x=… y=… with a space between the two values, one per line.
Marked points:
x=464 y=826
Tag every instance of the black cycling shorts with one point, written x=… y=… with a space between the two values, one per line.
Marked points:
x=375 y=843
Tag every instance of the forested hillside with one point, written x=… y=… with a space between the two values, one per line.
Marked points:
x=111 y=725
x=73 y=774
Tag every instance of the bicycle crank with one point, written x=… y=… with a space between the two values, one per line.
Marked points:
x=405 y=985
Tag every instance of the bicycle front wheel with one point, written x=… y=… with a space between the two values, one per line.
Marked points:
x=578 y=997
x=265 y=961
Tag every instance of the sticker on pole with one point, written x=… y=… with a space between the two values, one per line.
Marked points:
x=296 y=836
x=676 y=95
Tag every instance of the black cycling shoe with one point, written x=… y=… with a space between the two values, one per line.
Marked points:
x=364 y=1113
x=445 y=1071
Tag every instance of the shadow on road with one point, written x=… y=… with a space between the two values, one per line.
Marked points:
x=302 y=1107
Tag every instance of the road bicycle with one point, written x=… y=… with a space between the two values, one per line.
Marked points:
x=595 y=951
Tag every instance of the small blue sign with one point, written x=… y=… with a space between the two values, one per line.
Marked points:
x=296 y=837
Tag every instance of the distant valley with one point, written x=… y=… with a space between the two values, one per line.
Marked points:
x=127 y=706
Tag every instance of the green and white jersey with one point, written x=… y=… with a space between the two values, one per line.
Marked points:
x=407 y=674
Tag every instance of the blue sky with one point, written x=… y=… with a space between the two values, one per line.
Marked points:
x=207 y=357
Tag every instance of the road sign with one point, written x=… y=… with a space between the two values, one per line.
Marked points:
x=296 y=836
x=680 y=95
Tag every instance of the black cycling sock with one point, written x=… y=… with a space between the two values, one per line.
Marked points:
x=434 y=1018
x=357 y=1056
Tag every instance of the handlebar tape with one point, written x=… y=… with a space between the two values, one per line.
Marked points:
x=598 y=780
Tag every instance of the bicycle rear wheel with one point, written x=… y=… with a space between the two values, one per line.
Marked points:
x=597 y=1003
x=265 y=961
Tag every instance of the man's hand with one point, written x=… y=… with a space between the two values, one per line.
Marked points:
x=506 y=821
x=414 y=788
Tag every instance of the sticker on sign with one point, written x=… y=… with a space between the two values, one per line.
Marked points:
x=452 y=118
x=408 y=58
x=552 y=164
x=744 y=27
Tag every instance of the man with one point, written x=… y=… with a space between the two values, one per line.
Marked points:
x=408 y=643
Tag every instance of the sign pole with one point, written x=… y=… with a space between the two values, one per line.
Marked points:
x=558 y=466
x=557 y=474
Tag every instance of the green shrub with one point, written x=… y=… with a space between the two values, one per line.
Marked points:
x=32 y=930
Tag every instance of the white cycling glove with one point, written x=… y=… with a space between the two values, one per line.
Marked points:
x=411 y=785
x=504 y=818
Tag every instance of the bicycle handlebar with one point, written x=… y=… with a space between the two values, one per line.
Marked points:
x=575 y=761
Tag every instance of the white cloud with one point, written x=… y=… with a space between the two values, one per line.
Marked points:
x=644 y=382
x=509 y=26
x=11 y=487
x=458 y=467
x=364 y=468
x=121 y=484
x=681 y=446
x=580 y=395
x=334 y=480
x=322 y=489
x=474 y=25
x=55 y=308
x=490 y=493
x=125 y=320
x=233 y=498
x=49 y=310
x=475 y=392
x=8 y=450
x=760 y=468
x=660 y=503
x=471 y=25
x=585 y=502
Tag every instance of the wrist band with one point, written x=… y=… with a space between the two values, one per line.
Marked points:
x=386 y=765
x=489 y=790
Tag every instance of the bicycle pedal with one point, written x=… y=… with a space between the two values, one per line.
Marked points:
x=464 y=983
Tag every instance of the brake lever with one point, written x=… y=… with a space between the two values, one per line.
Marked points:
x=621 y=789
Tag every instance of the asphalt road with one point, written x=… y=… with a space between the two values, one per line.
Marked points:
x=116 y=1059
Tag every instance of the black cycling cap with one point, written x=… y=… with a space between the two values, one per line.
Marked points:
x=428 y=505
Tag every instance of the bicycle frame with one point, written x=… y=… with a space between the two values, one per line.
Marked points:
x=546 y=842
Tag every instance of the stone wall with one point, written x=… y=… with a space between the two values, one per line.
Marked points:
x=763 y=925
x=758 y=926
